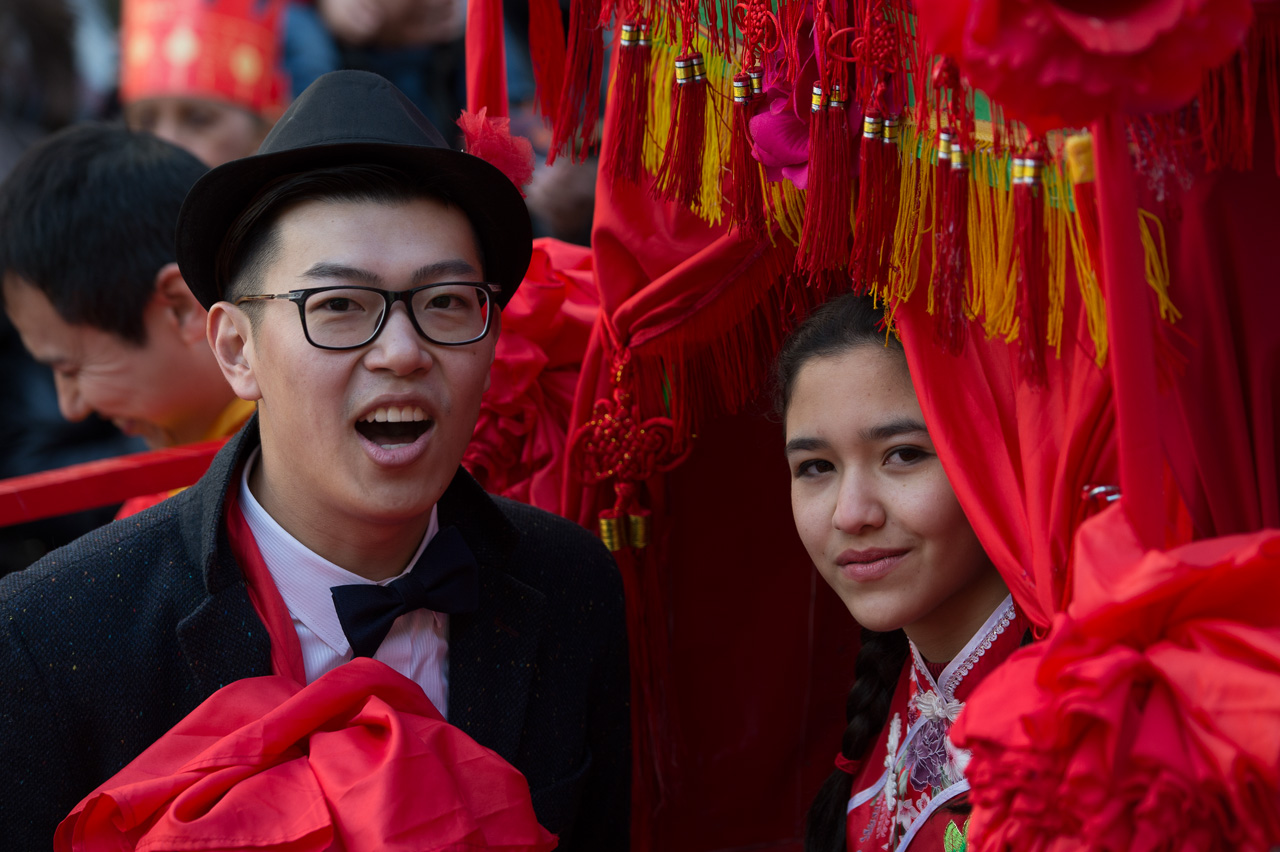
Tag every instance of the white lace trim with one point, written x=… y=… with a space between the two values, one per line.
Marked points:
x=977 y=647
x=974 y=649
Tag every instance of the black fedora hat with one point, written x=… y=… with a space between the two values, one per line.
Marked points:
x=354 y=118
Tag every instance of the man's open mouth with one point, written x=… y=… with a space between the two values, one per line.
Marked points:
x=394 y=426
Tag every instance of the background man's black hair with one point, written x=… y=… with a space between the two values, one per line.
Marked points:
x=88 y=216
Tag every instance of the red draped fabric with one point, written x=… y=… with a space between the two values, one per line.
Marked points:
x=1146 y=718
x=520 y=442
x=740 y=659
x=358 y=759
x=1018 y=457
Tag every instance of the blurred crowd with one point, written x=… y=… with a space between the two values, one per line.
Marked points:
x=211 y=77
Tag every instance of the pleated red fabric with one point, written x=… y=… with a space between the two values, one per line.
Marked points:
x=359 y=759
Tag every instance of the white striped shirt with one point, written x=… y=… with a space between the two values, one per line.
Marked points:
x=418 y=643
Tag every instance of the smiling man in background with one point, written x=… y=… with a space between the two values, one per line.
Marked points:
x=91 y=284
x=354 y=272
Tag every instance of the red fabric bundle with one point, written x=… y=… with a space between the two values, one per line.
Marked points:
x=519 y=445
x=1148 y=719
x=358 y=760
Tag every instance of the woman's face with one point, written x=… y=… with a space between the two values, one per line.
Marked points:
x=215 y=132
x=874 y=507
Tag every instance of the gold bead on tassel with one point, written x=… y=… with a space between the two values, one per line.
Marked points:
x=611 y=533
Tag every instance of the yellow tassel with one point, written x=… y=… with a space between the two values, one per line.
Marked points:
x=1079 y=150
x=915 y=218
x=710 y=206
x=1095 y=306
x=1056 y=217
x=664 y=34
x=1156 y=257
x=662 y=72
x=785 y=209
x=991 y=239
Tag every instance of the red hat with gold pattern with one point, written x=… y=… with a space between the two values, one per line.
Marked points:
x=226 y=50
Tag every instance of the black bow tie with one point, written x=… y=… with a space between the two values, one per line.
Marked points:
x=444 y=579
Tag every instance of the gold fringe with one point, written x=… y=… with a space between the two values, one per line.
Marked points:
x=1056 y=223
x=915 y=202
x=665 y=36
x=785 y=209
x=1095 y=305
x=719 y=124
x=662 y=75
x=991 y=245
x=1156 y=260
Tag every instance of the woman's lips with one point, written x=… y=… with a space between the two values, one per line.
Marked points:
x=863 y=566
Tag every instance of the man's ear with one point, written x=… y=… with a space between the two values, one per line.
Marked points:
x=230 y=336
x=181 y=307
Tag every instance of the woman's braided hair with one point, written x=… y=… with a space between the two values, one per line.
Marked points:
x=839 y=325
x=880 y=661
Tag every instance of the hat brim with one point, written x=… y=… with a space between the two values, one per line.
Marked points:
x=492 y=203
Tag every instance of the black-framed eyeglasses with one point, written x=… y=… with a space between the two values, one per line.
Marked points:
x=450 y=313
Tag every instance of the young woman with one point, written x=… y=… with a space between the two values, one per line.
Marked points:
x=875 y=511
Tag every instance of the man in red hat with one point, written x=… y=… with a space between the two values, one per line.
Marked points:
x=354 y=271
x=203 y=74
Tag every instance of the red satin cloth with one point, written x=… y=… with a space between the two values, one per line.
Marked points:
x=357 y=760
x=1149 y=718
x=518 y=448
x=1054 y=64
x=1018 y=457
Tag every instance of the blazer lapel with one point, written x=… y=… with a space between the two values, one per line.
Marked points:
x=222 y=638
x=492 y=651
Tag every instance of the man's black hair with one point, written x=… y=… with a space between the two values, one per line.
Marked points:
x=252 y=242
x=88 y=218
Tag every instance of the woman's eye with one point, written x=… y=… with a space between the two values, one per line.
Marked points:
x=813 y=467
x=199 y=118
x=906 y=455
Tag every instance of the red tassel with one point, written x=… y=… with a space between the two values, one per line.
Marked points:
x=880 y=176
x=490 y=139
x=1032 y=266
x=746 y=189
x=951 y=242
x=824 y=242
x=679 y=176
x=631 y=90
x=717 y=16
x=547 y=51
x=793 y=31
x=579 y=108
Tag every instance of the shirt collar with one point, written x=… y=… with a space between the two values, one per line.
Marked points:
x=303 y=577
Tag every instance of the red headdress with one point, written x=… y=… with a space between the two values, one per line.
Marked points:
x=227 y=50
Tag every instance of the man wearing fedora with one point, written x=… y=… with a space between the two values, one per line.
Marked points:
x=354 y=271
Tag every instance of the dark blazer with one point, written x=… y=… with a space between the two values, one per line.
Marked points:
x=106 y=643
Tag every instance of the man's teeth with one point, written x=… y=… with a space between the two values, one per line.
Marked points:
x=396 y=414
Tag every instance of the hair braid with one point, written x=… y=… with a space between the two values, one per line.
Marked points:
x=880 y=661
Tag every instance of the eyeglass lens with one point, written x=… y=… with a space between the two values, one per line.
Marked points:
x=447 y=313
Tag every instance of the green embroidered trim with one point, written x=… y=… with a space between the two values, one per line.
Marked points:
x=955 y=839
